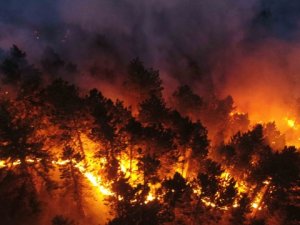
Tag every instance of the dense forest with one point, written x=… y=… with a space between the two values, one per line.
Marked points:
x=71 y=156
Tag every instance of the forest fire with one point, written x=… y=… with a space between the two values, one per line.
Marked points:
x=150 y=112
x=56 y=139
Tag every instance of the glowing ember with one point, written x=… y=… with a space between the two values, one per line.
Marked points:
x=291 y=123
x=149 y=198
x=254 y=205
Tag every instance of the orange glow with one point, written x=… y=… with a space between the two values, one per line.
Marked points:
x=258 y=202
x=93 y=174
x=130 y=169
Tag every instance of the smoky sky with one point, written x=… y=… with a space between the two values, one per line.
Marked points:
x=189 y=41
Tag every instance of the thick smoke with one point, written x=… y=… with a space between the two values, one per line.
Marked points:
x=248 y=49
x=164 y=34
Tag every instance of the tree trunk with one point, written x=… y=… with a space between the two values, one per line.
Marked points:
x=80 y=143
x=77 y=194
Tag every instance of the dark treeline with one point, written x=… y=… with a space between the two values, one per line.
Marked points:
x=204 y=162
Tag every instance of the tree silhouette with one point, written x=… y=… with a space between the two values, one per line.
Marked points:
x=187 y=102
x=190 y=139
x=22 y=77
x=141 y=83
x=238 y=122
x=149 y=165
x=72 y=177
x=153 y=110
x=66 y=111
x=274 y=138
x=61 y=220
x=282 y=170
x=134 y=132
x=129 y=205
x=13 y=65
x=19 y=144
x=174 y=189
x=108 y=121
x=216 y=116
x=244 y=150
x=17 y=138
